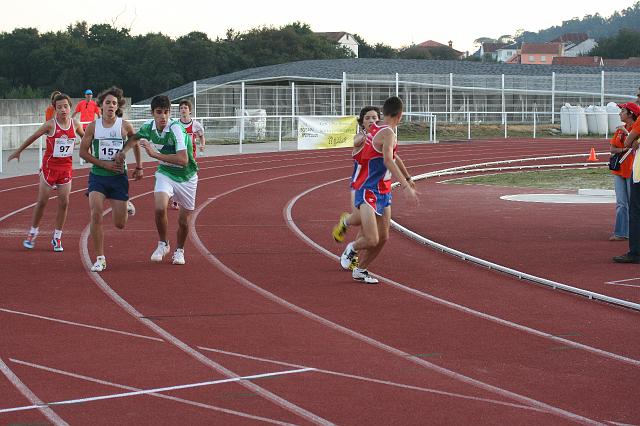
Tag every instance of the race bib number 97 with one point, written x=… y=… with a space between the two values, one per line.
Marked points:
x=107 y=149
x=63 y=147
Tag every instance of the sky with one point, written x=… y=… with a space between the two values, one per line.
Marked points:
x=396 y=24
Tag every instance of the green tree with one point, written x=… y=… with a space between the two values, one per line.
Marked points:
x=623 y=45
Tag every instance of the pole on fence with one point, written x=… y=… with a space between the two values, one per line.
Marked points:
x=280 y=133
x=40 y=152
x=469 y=125
x=397 y=85
x=450 y=108
x=602 y=88
x=435 y=128
x=504 y=109
x=534 y=124
x=1 y=159
x=343 y=100
x=553 y=97
x=195 y=98
x=577 y=126
x=505 y=125
x=241 y=115
x=293 y=105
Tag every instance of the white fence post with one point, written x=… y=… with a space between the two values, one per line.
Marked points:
x=602 y=88
x=343 y=101
x=505 y=125
x=469 y=125
x=450 y=107
x=40 y=152
x=553 y=97
x=397 y=85
x=293 y=106
x=280 y=133
x=241 y=115
x=195 y=100
x=1 y=159
x=534 y=124
x=504 y=108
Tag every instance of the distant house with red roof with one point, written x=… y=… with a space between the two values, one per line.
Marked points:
x=343 y=39
x=540 y=53
x=632 y=62
x=579 y=61
x=431 y=44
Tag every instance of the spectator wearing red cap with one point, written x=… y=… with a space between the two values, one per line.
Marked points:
x=88 y=109
x=631 y=142
x=629 y=113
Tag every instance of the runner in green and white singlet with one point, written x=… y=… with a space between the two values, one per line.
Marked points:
x=167 y=141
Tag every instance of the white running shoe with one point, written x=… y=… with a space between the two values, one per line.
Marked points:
x=347 y=256
x=100 y=265
x=131 y=209
x=161 y=251
x=178 y=257
x=362 y=275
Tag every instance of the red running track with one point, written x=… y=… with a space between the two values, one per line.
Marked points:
x=439 y=341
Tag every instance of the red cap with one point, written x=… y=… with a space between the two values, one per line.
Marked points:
x=632 y=107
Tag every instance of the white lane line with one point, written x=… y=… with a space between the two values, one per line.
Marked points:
x=378 y=381
x=77 y=324
x=447 y=303
x=375 y=343
x=170 y=338
x=155 y=390
x=620 y=282
x=336 y=373
x=28 y=393
x=158 y=395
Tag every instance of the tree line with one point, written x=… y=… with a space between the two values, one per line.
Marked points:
x=98 y=56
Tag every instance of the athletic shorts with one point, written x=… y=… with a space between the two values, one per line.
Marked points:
x=373 y=198
x=113 y=187
x=184 y=193
x=55 y=177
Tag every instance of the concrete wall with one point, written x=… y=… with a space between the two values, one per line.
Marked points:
x=25 y=111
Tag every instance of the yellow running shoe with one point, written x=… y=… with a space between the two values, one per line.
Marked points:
x=354 y=263
x=340 y=229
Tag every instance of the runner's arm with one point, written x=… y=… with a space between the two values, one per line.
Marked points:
x=46 y=128
x=138 y=172
x=387 y=138
x=404 y=171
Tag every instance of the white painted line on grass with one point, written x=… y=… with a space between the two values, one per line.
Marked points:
x=155 y=390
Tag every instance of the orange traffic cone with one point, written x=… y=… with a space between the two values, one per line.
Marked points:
x=592 y=155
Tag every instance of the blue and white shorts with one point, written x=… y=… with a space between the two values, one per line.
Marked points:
x=373 y=198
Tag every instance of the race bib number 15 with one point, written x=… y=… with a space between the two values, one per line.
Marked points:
x=107 y=149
